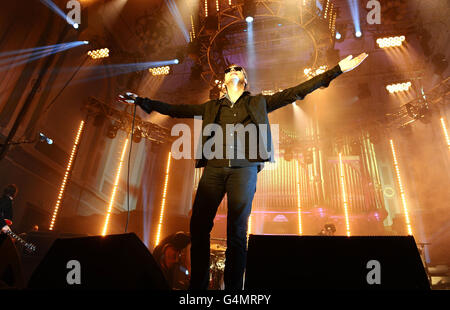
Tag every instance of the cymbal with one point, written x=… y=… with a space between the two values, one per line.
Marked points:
x=217 y=247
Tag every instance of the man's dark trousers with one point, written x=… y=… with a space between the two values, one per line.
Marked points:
x=239 y=183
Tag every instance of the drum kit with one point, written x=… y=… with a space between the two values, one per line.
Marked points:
x=217 y=265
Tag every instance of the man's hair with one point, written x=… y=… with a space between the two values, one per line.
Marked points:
x=10 y=190
x=243 y=71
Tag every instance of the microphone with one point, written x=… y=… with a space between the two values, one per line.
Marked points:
x=43 y=138
x=133 y=99
x=128 y=98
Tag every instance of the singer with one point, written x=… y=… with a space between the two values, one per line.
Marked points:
x=231 y=175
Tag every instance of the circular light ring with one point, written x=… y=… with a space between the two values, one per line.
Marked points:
x=305 y=26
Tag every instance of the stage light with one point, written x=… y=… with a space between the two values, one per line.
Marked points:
x=67 y=174
x=43 y=138
x=344 y=195
x=192 y=33
x=390 y=41
x=249 y=10
x=163 y=203
x=86 y=42
x=341 y=31
x=70 y=4
x=176 y=14
x=444 y=128
x=355 y=12
x=137 y=136
x=176 y=61
x=116 y=184
x=112 y=131
x=159 y=70
x=27 y=55
x=398 y=87
x=100 y=53
x=400 y=186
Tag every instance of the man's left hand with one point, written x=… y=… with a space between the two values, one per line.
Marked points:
x=349 y=63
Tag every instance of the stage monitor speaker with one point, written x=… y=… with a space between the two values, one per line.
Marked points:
x=334 y=262
x=110 y=262
x=11 y=275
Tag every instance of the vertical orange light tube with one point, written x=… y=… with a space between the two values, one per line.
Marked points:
x=344 y=195
x=116 y=183
x=402 y=192
x=444 y=128
x=163 y=203
x=192 y=27
x=299 y=209
x=67 y=174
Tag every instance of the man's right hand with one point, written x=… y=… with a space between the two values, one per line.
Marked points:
x=5 y=229
x=128 y=98
x=131 y=98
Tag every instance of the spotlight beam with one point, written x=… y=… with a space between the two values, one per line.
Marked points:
x=178 y=19
x=29 y=98
x=250 y=47
x=36 y=49
x=354 y=10
x=52 y=6
x=8 y=63
x=106 y=71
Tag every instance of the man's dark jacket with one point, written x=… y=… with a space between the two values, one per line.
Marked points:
x=257 y=107
x=6 y=211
